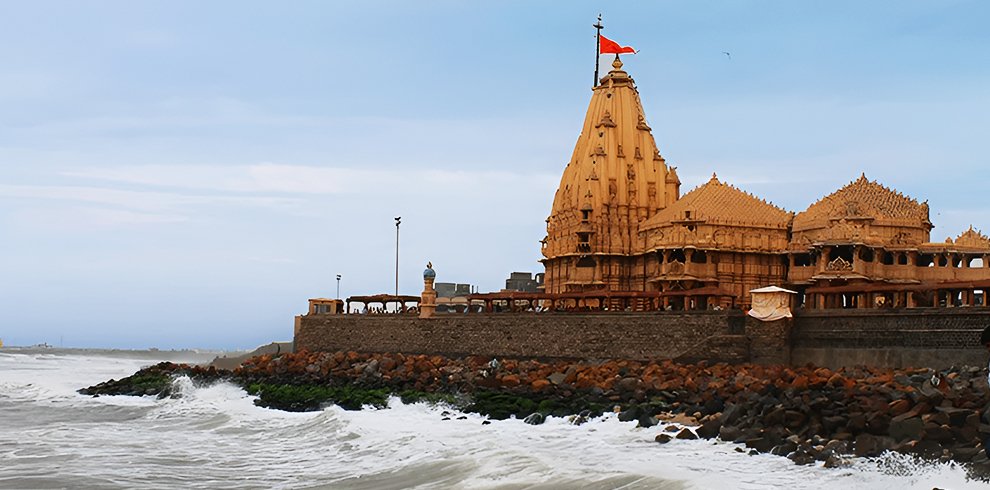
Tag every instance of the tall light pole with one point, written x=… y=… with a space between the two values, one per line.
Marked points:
x=338 y=286
x=398 y=220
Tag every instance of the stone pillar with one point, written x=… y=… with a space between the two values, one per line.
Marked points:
x=428 y=300
x=769 y=342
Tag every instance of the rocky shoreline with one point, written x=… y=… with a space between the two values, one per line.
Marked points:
x=807 y=414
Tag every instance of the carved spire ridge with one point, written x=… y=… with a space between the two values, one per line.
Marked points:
x=615 y=172
x=863 y=198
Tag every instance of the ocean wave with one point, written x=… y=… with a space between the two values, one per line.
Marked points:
x=215 y=437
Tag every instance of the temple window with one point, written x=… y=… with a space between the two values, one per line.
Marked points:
x=699 y=257
x=586 y=262
x=866 y=254
x=844 y=251
x=925 y=260
x=583 y=243
x=802 y=260
x=942 y=260
x=676 y=255
x=902 y=259
x=585 y=215
x=888 y=258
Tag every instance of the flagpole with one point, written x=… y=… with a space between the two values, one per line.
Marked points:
x=598 y=46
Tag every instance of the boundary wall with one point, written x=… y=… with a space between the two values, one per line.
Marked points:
x=929 y=337
x=922 y=337
x=665 y=335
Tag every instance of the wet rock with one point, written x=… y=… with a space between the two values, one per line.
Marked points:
x=902 y=427
x=662 y=438
x=801 y=457
x=871 y=445
x=941 y=433
x=898 y=407
x=709 y=429
x=761 y=444
x=729 y=433
x=629 y=415
x=965 y=454
x=794 y=419
x=836 y=447
x=784 y=449
x=731 y=413
x=958 y=417
x=836 y=461
x=686 y=434
x=539 y=385
x=628 y=384
x=646 y=420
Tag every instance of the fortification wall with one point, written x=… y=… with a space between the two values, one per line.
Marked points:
x=661 y=335
x=887 y=338
x=931 y=337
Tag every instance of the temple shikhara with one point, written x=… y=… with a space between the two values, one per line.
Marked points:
x=620 y=234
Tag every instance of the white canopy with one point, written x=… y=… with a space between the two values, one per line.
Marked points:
x=771 y=303
x=772 y=289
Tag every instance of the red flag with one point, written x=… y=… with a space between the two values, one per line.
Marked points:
x=608 y=46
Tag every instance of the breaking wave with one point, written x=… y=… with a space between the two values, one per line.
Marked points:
x=215 y=437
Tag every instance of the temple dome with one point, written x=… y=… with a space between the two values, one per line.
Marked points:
x=716 y=202
x=864 y=211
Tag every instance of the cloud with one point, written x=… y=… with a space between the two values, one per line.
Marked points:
x=138 y=200
x=270 y=178
x=146 y=195
x=86 y=217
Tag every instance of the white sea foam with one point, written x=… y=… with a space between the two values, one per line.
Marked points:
x=215 y=437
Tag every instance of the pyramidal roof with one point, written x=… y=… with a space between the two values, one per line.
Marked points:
x=716 y=201
x=863 y=198
x=971 y=239
x=615 y=162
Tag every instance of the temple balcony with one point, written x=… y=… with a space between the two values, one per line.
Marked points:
x=690 y=269
x=799 y=274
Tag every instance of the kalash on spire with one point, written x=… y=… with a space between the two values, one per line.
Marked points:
x=615 y=180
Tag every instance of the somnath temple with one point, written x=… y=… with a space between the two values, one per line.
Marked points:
x=621 y=234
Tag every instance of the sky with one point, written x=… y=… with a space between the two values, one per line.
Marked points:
x=183 y=174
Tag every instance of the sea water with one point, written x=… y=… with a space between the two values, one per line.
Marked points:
x=215 y=437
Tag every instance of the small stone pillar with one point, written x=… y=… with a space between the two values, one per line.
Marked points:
x=428 y=300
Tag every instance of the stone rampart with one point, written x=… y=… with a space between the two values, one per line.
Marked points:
x=930 y=337
x=927 y=337
x=657 y=335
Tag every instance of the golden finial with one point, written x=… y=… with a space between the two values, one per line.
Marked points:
x=617 y=63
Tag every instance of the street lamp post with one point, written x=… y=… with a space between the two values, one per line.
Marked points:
x=338 y=286
x=398 y=220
